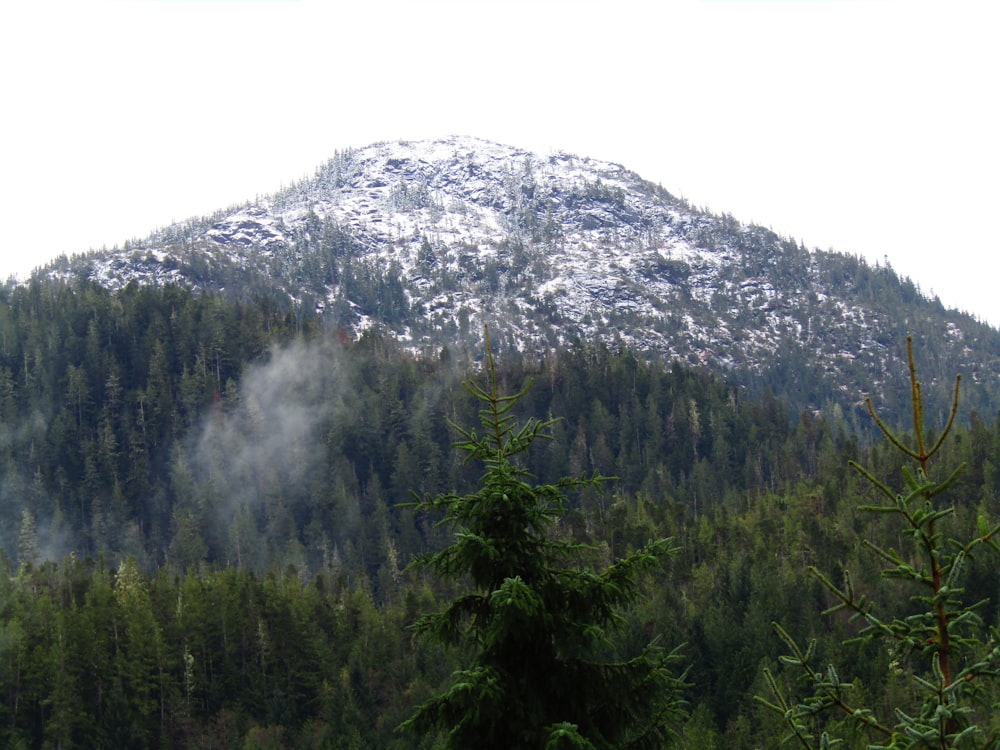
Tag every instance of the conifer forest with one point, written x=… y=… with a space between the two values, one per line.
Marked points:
x=228 y=524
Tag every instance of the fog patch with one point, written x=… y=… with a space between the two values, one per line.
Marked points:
x=257 y=456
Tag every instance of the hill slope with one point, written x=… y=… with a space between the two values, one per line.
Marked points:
x=429 y=239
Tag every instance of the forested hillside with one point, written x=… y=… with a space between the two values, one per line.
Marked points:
x=206 y=533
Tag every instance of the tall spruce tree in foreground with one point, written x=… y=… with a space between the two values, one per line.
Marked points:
x=536 y=620
x=950 y=655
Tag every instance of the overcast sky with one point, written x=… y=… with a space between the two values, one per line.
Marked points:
x=866 y=126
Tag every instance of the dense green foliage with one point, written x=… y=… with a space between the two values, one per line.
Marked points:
x=255 y=468
x=941 y=641
x=537 y=617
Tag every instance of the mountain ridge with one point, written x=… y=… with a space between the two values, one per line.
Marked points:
x=428 y=240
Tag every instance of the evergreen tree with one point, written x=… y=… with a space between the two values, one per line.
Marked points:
x=27 y=540
x=536 y=621
x=944 y=647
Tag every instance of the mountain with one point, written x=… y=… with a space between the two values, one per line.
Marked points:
x=427 y=240
x=229 y=490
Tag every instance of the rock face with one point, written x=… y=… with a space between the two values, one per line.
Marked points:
x=427 y=240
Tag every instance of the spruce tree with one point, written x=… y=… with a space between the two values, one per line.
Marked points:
x=537 y=621
x=950 y=655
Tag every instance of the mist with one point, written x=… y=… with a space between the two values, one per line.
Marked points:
x=245 y=475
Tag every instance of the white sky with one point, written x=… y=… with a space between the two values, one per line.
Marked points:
x=866 y=126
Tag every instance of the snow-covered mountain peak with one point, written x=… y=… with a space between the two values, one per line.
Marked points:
x=428 y=239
